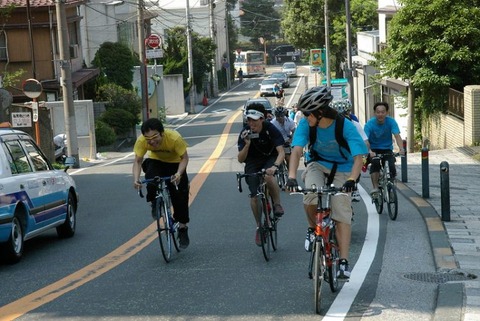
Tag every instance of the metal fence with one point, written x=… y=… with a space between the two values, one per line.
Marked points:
x=455 y=105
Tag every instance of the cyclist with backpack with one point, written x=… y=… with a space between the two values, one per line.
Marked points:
x=335 y=156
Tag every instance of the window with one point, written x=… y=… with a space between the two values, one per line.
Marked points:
x=20 y=161
x=39 y=162
x=3 y=46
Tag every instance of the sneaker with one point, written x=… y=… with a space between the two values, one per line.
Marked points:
x=309 y=239
x=343 y=271
x=258 y=236
x=278 y=210
x=356 y=196
x=183 y=239
x=374 y=192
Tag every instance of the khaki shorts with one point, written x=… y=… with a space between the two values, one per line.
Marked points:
x=317 y=174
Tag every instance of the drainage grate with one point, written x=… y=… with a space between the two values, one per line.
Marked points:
x=439 y=277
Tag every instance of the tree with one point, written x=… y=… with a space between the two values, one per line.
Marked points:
x=115 y=61
x=123 y=108
x=431 y=44
x=303 y=24
x=258 y=18
x=176 y=54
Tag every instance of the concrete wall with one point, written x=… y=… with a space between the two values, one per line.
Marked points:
x=85 y=123
x=173 y=90
x=446 y=131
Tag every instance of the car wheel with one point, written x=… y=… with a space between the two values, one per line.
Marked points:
x=67 y=229
x=13 y=249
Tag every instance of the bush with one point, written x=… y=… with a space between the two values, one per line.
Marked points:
x=120 y=120
x=104 y=134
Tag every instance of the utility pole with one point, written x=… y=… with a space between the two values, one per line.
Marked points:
x=227 y=37
x=213 y=35
x=190 y=61
x=349 y=54
x=141 y=54
x=327 y=46
x=66 y=82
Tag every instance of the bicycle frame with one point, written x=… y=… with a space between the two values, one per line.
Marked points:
x=268 y=223
x=387 y=189
x=166 y=226
x=324 y=258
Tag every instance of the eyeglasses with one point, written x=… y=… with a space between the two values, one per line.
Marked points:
x=149 y=138
x=306 y=113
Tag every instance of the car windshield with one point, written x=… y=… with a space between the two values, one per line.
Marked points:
x=278 y=75
x=292 y=65
x=269 y=81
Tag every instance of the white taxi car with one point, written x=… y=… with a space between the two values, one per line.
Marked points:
x=34 y=197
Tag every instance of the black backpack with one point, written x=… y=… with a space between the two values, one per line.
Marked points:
x=342 y=142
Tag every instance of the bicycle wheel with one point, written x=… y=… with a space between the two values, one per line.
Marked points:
x=273 y=232
x=378 y=200
x=318 y=270
x=333 y=261
x=264 y=228
x=164 y=235
x=392 y=201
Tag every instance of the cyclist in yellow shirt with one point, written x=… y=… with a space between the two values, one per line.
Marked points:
x=167 y=156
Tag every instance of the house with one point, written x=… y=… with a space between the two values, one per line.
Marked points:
x=29 y=41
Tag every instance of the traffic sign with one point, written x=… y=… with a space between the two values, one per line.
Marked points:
x=32 y=88
x=153 y=41
x=154 y=53
x=316 y=57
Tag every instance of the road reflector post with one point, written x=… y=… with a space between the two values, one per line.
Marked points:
x=425 y=174
x=445 y=190
x=404 y=162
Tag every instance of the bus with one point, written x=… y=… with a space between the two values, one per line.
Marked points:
x=251 y=62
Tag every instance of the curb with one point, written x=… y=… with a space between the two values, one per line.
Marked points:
x=450 y=296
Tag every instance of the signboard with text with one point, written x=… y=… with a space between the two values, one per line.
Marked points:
x=22 y=119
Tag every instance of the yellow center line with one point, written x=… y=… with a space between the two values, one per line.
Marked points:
x=90 y=272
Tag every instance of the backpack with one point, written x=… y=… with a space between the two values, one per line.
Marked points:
x=342 y=142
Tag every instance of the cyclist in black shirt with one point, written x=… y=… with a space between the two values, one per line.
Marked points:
x=260 y=146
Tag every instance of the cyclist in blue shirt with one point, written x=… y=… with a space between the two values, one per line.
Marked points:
x=327 y=162
x=379 y=130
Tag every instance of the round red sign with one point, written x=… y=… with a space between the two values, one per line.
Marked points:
x=153 y=41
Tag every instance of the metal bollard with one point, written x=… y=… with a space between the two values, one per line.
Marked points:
x=445 y=190
x=425 y=174
x=404 y=163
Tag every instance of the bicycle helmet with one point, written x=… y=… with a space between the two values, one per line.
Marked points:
x=341 y=106
x=314 y=99
x=280 y=111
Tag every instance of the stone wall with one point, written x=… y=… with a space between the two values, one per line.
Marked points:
x=445 y=131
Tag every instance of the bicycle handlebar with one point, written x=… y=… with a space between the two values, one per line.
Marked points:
x=156 y=179
x=332 y=190
x=262 y=172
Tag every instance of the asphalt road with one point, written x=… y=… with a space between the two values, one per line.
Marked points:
x=113 y=269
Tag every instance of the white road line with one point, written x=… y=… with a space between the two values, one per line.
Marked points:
x=344 y=300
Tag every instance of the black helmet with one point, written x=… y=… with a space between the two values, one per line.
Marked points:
x=315 y=98
x=280 y=111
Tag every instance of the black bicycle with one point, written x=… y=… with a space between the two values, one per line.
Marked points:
x=325 y=256
x=282 y=173
x=167 y=228
x=387 y=189
x=268 y=222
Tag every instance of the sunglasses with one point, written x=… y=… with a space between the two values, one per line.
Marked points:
x=306 y=113
x=149 y=138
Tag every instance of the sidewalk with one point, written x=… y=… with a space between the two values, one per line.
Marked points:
x=455 y=244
